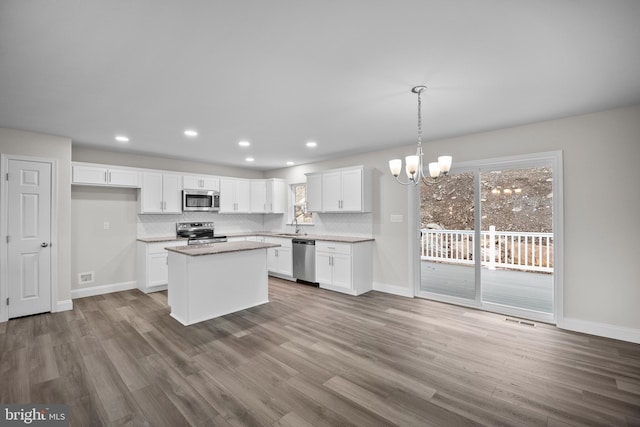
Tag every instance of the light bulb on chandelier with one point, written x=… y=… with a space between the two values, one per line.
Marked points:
x=413 y=164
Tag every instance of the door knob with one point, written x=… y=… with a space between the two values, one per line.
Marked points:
x=44 y=245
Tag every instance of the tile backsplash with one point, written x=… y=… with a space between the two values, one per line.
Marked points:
x=336 y=224
x=165 y=225
x=333 y=224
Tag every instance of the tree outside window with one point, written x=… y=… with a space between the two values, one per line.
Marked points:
x=299 y=192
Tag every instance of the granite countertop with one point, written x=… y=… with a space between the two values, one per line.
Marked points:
x=220 y=248
x=161 y=239
x=344 y=239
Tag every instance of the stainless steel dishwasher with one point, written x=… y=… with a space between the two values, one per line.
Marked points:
x=304 y=259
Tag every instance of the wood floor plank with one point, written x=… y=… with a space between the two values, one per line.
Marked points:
x=314 y=357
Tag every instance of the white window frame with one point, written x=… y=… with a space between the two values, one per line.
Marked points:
x=292 y=204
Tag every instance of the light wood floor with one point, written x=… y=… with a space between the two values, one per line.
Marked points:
x=314 y=357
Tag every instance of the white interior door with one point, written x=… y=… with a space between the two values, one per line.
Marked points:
x=29 y=242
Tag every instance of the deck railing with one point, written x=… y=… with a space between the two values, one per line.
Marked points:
x=498 y=249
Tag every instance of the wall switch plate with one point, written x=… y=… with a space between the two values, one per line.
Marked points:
x=396 y=218
x=105 y=225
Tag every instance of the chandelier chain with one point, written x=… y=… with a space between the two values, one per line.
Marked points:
x=419 y=118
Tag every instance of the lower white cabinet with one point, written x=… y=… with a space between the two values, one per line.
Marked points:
x=153 y=270
x=344 y=267
x=280 y=259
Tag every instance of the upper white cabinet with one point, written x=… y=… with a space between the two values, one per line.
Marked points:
x=103 y=175
x=314 y=192
x=268 y=196
x=340 y=190
x=160 y=193
x=235 y=195
x=203 y=182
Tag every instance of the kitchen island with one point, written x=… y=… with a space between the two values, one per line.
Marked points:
x=208 y=281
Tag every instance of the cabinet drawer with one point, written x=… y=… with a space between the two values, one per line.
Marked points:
x=156 y=248
x=333 y=247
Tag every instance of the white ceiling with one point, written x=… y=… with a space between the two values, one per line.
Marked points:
x=279 y=73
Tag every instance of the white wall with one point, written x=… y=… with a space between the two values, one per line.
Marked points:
x=109 y=254
x=38 y=145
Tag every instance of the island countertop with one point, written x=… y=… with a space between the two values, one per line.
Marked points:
x=220 y=248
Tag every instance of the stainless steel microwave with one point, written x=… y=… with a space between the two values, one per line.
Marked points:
x=200 y=201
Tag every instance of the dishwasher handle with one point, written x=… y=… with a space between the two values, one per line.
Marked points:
x=303 y=242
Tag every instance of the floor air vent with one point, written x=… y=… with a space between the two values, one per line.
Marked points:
x=521 y=322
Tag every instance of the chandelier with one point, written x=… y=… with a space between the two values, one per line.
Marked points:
x=413 y=166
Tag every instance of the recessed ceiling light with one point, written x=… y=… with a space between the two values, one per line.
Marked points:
x=244 y=143
x=122 y=138
x=290 y=163
x=249 y=159
x=191 y=133
x=311 y=144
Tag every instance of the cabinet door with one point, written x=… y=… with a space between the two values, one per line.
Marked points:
x=351 y=191
x=191 y=182
x=272 y=259
x=331 y=191
x=157 y=269
x=151 y=193
x=89 y=175
x=171 y=193
x=211 y=183
x=258 y=196
x=227 y=195
x=243 y=196
x=285 y=261
x=323 y=268
x=341 y=270
x=276 y=196
x=123 y=178
x=314 y=193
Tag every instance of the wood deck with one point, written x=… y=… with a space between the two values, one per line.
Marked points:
x=313 y=357
x=520 y=289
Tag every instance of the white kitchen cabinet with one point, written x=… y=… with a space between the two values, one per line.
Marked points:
x=201 y=182
x=280 y=259
x=340 y=190
x=344 y=267
x=104 y=175
x=153 y=271
x=160 y=193
x=259 y=196
x=314 y=193
x=268 y=196
x=235 y=195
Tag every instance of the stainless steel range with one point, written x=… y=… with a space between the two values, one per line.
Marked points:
x=198 y=233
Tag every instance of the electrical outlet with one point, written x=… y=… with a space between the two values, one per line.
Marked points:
x=105 y=225
x=396 y=218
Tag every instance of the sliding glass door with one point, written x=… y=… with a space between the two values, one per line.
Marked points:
x=487 y=236
x=447 y=224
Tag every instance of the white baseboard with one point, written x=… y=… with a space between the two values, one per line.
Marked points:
x=103 y=289
x=65 y=305
x=602 y=330
x=393 y=289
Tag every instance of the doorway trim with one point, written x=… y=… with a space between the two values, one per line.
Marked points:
x=552 y=157
x=4 y=249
